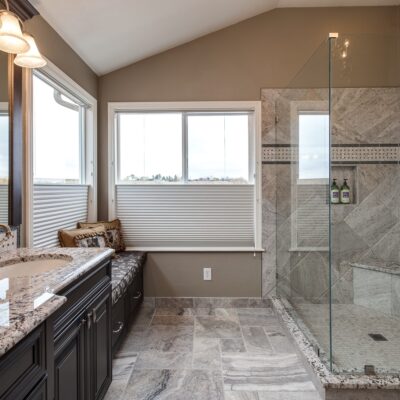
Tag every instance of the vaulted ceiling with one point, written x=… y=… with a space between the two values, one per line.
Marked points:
x=111 y=34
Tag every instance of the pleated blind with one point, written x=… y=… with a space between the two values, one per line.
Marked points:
x=3 y=204
x=57 y=207
x=192 y=216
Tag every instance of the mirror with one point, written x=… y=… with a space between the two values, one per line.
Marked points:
x=4 y=138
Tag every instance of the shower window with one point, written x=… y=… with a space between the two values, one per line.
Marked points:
x=313 y=147
x=310 y=205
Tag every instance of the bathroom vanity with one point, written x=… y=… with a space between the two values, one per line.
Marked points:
x=55 y=324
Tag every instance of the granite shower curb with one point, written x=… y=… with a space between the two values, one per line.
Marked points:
x=327 y=379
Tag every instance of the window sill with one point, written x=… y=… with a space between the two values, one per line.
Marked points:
x=197 y=249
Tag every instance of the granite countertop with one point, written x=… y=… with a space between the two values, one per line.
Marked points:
x=27 y=301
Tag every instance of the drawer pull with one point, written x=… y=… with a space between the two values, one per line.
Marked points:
x=89 y=319
x=120 y=325
x=138 y=296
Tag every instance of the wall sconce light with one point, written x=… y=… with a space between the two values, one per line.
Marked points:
x=11 y=38
x=32 y=58
x=14 y=41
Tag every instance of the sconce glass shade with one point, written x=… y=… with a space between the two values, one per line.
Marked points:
x=32 y=58
x=11 y=37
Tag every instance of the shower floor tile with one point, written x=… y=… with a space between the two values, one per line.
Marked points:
x=353 y=348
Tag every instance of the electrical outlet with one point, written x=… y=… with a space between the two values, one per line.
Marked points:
x=207 y=274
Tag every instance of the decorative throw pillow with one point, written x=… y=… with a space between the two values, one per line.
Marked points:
x=94 y=237
x=113 y=232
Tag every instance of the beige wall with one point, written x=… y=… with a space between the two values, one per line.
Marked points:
x=266 y=51
x=181 y=275
x=52 y=46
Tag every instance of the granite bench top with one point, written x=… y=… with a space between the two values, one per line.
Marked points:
x=27 y=301
x=378 y=266
x=124 y=268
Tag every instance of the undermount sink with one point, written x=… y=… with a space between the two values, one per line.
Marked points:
x=30 y=267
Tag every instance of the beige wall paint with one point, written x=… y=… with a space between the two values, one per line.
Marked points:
x=266 y=51
x=181 y=275
x=53 y=46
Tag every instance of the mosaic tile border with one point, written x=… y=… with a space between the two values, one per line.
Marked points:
x=341 y=154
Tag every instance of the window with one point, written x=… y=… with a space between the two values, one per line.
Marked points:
x=150 y=147
x=177 y=147
x=313 y=145
x=58 y=133
x=185 y=174
x=310 y=204
x=218 y=148
x=62 y=168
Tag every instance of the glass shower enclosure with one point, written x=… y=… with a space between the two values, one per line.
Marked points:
x=337 y=196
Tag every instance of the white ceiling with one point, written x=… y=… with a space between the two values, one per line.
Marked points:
x=111 y=34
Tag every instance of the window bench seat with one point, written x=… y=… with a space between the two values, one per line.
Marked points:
x=127 y=291
x=126 y=266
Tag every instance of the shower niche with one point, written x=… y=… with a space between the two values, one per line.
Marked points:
x=340 y=172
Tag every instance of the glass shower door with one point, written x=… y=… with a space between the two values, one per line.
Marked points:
x=300 y=140
x=365 y=224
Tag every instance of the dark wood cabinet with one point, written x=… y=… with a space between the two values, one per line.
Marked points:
x=125 y=309
x=39 y=393
x=68 y=357
x=119 y=323
x=23 y=367
x=100 y=357
x=69 y=364
x=83 y=339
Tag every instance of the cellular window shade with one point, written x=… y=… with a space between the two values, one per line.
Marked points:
x=186 y=215
x=57 y=207
x=3 y=204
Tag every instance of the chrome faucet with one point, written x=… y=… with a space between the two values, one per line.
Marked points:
x=8 y=232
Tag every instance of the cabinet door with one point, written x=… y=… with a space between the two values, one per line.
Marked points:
x=101 y=346
x=69 y=366
x=39 y=393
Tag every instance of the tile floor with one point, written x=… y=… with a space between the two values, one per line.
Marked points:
x=353 y=348
x=208 y=353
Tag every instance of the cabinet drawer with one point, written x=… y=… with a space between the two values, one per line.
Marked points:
x=23 y=367
x=135 y=293
x=118 y=320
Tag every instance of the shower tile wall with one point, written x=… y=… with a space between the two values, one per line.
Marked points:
x=367 y=231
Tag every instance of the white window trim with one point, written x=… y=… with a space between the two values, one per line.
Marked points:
x=90 y=145
x=253 y=106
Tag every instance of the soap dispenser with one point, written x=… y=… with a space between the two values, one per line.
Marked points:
x=345 y=193
x=335 y=192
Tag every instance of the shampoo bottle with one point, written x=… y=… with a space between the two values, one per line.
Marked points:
x=345 y=193
x=335 y=193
